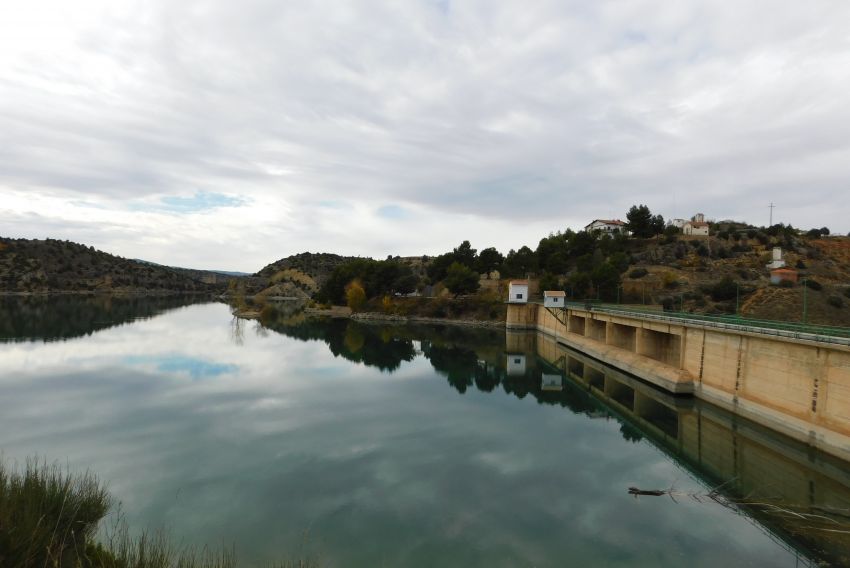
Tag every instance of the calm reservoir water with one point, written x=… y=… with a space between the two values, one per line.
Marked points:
x=377 y=445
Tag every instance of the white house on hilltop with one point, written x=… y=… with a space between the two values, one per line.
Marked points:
x=695 y=229
x=607 y=226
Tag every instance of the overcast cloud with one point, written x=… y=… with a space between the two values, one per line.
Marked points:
x=225 y=135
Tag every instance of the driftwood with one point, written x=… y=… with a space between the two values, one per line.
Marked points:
x=654 y=492
x=807 y=518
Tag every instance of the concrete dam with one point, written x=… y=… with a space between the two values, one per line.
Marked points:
x=795 y=383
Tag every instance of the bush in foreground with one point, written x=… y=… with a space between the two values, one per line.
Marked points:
x=49 y=518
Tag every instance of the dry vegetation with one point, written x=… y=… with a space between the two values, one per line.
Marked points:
x=49 y=266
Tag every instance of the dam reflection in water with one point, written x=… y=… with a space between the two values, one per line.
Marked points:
x=798 y=495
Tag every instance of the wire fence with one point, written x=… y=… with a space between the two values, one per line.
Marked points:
x=819 y=333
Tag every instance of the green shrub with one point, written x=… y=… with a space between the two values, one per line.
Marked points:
x=835 y=301
x=670 y=280
x=813 y=284
x=638 y=273
x=725 y=289
x=49 y=517
x=46 y=514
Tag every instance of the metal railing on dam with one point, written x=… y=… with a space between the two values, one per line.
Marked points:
x=792 y=330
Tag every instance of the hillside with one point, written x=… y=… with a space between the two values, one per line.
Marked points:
x=685 y=275
x=50 y=266
x=297 y=276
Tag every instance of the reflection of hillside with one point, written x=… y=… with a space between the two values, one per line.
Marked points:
x=348 y=339
x=53 y=318
x=467 y=357
x=459 y=352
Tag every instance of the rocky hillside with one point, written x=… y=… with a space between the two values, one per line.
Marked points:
x=686 y=275
x=42 y=266
x=300 y=275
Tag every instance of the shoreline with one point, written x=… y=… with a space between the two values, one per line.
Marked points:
x=120 y=293
x=378 y=317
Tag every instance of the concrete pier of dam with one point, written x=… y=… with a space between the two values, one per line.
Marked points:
x=799 y=386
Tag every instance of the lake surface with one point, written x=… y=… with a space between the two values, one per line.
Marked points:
x=377 y=445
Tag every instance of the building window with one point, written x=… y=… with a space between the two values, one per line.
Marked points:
x=517 y=361
x=519 y=296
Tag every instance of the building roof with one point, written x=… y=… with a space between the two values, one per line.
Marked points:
x=697 y=223
x=520 y=282
x=784 y=270
x=607 y=221
x=555 y=293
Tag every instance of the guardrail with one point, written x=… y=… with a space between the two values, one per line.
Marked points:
x=821 y=334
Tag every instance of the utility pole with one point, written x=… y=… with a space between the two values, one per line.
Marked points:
x=804 y=300
x=737 y=300
x=771 y=206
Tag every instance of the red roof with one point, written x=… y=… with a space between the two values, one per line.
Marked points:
x=552 y=293
x=608 y=221
x=523 y=282
x=784 y=270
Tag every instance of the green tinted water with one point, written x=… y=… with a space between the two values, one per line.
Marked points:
x=371 y=445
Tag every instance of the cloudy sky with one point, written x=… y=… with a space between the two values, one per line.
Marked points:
x=225 y=135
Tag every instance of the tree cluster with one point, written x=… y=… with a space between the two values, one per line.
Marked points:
x=481 y=263
x=376 y=278
x=642 y=223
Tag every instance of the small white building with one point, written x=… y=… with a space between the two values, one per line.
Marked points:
x=515 y=365
x=776 y=261
x=608 y=226
x=678 y=223
x=554 y=298
x=696 y=228
x=518 y=291
x=699 y=218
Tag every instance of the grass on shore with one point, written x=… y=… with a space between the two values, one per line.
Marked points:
x=50 y=518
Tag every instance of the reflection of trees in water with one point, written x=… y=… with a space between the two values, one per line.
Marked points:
x=352 y=341
x=466 y=357
x=458 y=365
x=630 y=433
x=237 y=331
x=64 y=317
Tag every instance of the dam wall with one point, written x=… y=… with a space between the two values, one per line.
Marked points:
x=797 y=386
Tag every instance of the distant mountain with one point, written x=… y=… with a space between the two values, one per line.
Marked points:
x=41 y=266
x=208 y=276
